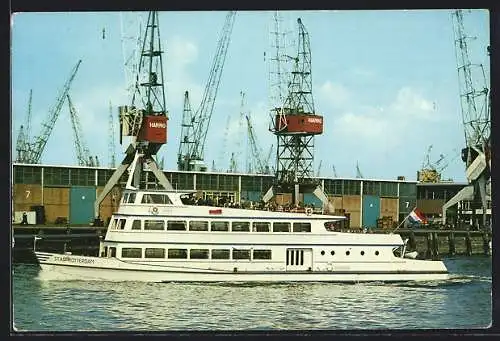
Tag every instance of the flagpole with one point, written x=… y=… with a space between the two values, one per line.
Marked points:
x=404 y=220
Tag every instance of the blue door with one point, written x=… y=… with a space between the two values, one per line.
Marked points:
x=371 y=211
x=81 y=204
x=311 y=199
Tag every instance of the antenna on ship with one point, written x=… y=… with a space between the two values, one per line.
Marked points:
x=145 y=119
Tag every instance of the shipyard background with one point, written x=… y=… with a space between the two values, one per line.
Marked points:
x=65 y=195
x=60 y=197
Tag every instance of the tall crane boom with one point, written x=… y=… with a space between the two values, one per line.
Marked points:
x=256 y=151
x=82 y=151
x=23 y=138
x=194 y=149
x=187 y=131
x=111 y=137
x=21 y=145
x=474 y=101
x=475 y=105
x=40 y=141
x=145 y=120
x=28 y=118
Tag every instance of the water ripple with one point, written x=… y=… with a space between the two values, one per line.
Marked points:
x=462 y=302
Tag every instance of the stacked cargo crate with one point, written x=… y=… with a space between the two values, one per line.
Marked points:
x=385 y=222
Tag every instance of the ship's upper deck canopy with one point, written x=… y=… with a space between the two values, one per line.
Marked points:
x=156 y=197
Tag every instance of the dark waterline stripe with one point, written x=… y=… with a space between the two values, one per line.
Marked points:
x=294 y=272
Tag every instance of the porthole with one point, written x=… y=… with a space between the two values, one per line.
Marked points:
x=322 y=253
x=348 y=253
x=332 y=252
x=376 y=253
x=362 y=253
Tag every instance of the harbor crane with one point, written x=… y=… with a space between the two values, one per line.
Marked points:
x=476 y=119
x=431 y=172
x=33 y=150
x=319 y=168
x=295 y=124
x=222 y=152
x=192 y=144
x=258 y=163
x=111 y=137
x=23 y=136
x=82 y=151
x=358 y=171
x=334 y=171
x=144 y=120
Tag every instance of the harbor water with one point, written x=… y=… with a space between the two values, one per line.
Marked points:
x=463 y=302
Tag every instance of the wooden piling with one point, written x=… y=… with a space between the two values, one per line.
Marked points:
x=412 y=243
x=435 y=246
x=468 y=244
x=451 y=243
x=486 y=246
x=428 y=242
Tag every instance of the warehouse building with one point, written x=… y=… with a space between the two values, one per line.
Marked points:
x=66 y=194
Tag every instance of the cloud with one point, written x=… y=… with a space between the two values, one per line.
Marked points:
x=362 y=73
x=410 y=103
x=335 y=94
x=367 y=122
x=180 y=54
x=373 y=133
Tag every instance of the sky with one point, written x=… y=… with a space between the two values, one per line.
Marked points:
x=385 y=81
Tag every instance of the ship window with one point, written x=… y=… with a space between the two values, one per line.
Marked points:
x=177 y=253
x=301 y=227
x=176 y=225
x=152 y=198
x=333 y=252
x=131 y=252
x=261 y=254
x=281 y=227
x=154 y=253
x=330 y=225
x=362 y=253
x=112 y=252
x=219 y=226
x=198 y=254
x=220 y=254
x=240 y=226
x=322 y=252
x=198 y=226
x=157 y=225
x=261 y=226
x=122 y=224
x=114 y=225
x=348 y=253
x=131 y=198
x=241 y=254
x=125 y=198
x=376 y=253
x=136 y=225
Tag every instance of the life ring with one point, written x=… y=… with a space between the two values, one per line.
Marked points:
x=154 y=210
x=309 y=211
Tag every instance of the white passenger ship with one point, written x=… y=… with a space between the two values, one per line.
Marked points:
x=156 y=236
